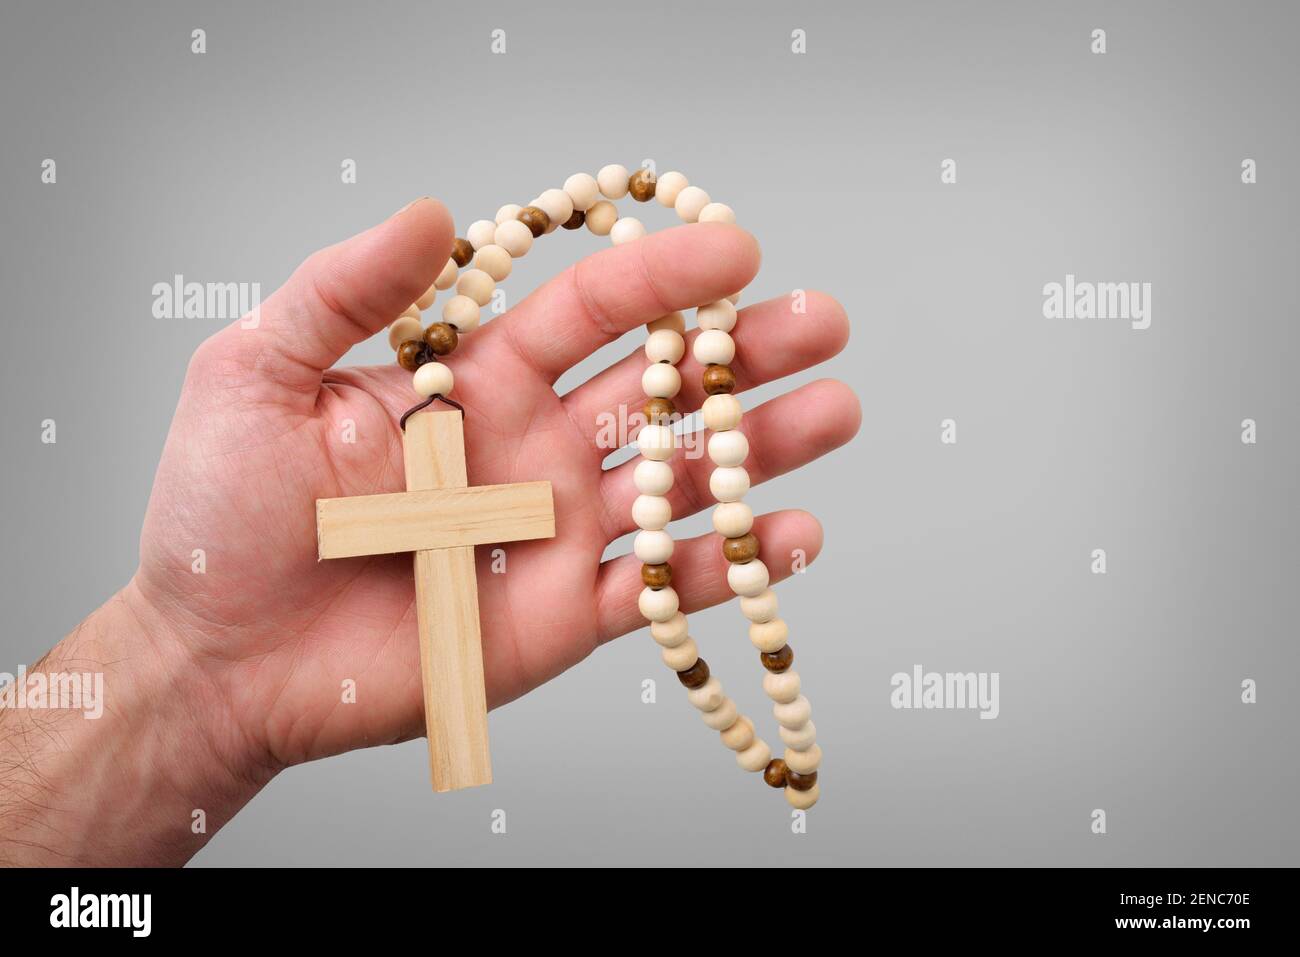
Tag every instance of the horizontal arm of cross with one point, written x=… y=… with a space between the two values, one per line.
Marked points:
x=433 y=519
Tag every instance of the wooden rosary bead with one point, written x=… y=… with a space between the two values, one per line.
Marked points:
x=748 y=579
x=740 y=735
x=433 y=378
x=442 y=338
x=535 y=219
x=769 y=635
x=708 y=696
x=670 y=633
x=612 y=180
x=661 y=380
x=732 y=519
x=447 y=278
x=723 y=716
x=665 y=345
x=774 y=773
x=668 y=186
x=427 y=297
x=514 y=237
x=756 y=756
x=653 y=478
x=799 y=739
x=717 y=213
x=659 y=411
x=690 y=201
x=742 y=549
x=657 y=604
x=651 y=512
x=494 y=261
x=805 y=762
x=575 y=220
x=657 y=576
x=641 y=185
x=792 y=714
x=674 y=321
x=801 y=782
x=627 y=230
x=713 y=347
x=761 y=608
x=481 y=233
x=782 y=687
x=476 y=284
x=729 y=483
x=717 y=316
x=719 y=379
x=721 y=413
x=601 y=217
x=802 y=800
x=583 y=190
x=557 y=206
x=682 y=656
x=652 y=547
x=695 y=675
x=779 y=660
x=413 y=353
x=508 y=212
x=461 y=252
x=403 y=328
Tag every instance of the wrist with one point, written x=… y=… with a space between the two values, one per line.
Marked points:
x=135 y=758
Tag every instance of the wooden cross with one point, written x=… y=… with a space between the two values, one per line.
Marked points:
x=441 y=519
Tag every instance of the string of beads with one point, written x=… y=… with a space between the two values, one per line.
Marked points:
x=483 y=258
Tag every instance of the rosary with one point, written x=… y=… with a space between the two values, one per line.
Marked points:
x=441 y=518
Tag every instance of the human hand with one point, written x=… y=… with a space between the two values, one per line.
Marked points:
x=260 y=644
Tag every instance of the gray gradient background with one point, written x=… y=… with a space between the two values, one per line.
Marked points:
x=1119 y=692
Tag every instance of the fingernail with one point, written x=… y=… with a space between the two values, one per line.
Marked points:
x=410 y=204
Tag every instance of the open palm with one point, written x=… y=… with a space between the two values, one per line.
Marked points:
x=265 y=427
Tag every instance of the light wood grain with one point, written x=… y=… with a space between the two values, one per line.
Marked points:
x=436 y=518
x=446 y=605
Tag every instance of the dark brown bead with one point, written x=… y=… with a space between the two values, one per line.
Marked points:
x=441 y=338
x=576 y=220
x=535 y=219
x=659 y=411
x=641 y=185
x=461 y=252
x=775 y=772
x=412 y=354
x=695 y=675
x=657 y=576
x=777 y=661
x=801 y=782
x=740 y=550
x=719 y=379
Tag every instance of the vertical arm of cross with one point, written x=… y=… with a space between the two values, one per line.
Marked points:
x=446 y=605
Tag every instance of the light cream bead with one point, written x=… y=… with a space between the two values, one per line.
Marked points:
x=556 y=204
x=656 y=604
x=656 y=441
x=494 y=261
x=730 y=484
x=670 y=633
x=733 y=519
x=601 y=217
x=651 y=512
x=481 y=233
x=782 y=688
x=652 y=478
x=674 y=321
x=755 y=757
x=461 y=312
x=652 y=547
x=661 y=380
x=790 y=714
x=803 y=800
x=748 y=579
x=717 y=213
x=709 y=696
x=682 y=656
x=412 y=310
x=447 y=278
x=722 y=717
x=403 y=328
x=690 y=201
x=760 y=608
x=769 y=636
x=612 y=180
x=665 y=345
x=740 y=735
x=668 y=186
x=477 y=284
x=627 y=230
x=508 y=212
x=582 y=189
x=734 y=299
x=720 y=315
x=804 y=762
x=427 y=297
x=433 y=378
x=728 y=449
x=514 y=237
x=713 y=347
x=721 y=413
x=800 y=739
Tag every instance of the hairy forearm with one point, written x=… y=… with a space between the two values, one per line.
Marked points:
x=142 y=783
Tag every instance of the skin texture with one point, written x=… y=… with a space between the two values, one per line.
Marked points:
x=215 y=682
